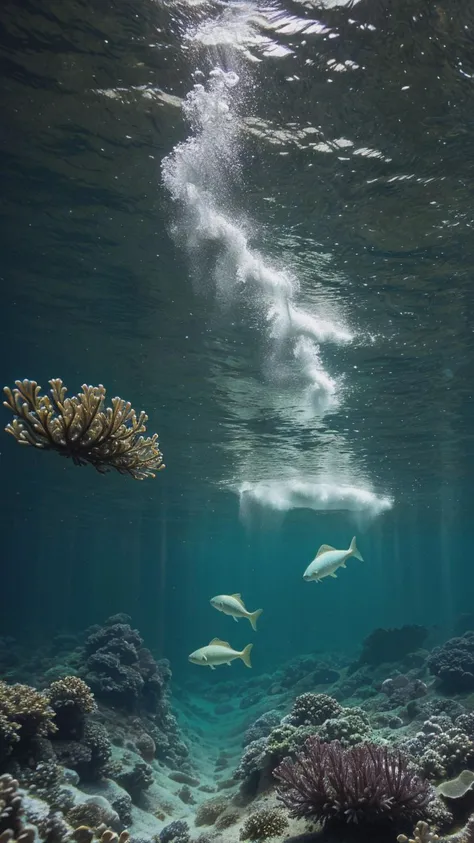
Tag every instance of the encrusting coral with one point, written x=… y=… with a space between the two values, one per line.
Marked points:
x=83 y=428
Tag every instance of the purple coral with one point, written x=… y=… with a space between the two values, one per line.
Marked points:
x=363 y=784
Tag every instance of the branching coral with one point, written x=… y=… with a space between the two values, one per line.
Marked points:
x=364 y=784
x=210 y=810
x=71 y=699
x=264 y=823
x=72 y=691
x=11 y=813
x=421 y=834
x=25 y=714
x=83 y=428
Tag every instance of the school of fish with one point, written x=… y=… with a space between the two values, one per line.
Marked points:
x=325 y=564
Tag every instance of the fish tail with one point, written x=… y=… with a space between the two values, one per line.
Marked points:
x=245 y=655
x=354 y=551
x=253 y=618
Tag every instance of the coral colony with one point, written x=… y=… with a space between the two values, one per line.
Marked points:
x=83 y=428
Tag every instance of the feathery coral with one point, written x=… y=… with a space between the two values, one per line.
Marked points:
x=363 y=784
x=83 y=429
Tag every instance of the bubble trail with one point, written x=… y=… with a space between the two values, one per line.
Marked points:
x=200 y=175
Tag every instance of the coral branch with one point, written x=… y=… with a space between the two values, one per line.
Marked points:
x=82 y=428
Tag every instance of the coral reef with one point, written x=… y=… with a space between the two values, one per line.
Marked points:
x=391 y=645
x=46 y=781
x=262 y=727
x=71 y=699
x=310 y=714
x=136 y=780
x=453 y=663
x=210 y=810
x=92 y=813
x=421 y=834
x=313 y=709
x=54 y=828
x=175 y=832
x=365 y=785
x=89 y=756
x=229 y=817
x=83 y=428
x=264 y=823
x=146 y=746
x=441 y=748
x=121 y=671
x=11 y=812
x=350 y=728
x=401 y=690
x=25 y=716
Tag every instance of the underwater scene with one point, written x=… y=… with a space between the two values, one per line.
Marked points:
x=237 y=347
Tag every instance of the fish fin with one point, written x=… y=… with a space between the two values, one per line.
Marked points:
x=253 y=618
x=235 y=619
x=238 y=597
x=354 y=551
x=333 y=575
x=218 y=643
x=229 y=663
x=343 y=565
x=212 y=667
x=324 y=549
x=245 y=655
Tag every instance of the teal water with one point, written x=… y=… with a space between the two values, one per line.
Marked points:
x=342 y=156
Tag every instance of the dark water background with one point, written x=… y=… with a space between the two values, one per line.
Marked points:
x=94 y=290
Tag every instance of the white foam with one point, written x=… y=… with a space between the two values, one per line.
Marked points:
x=295 y=493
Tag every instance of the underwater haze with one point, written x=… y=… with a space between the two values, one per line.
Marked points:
x=254 y=222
